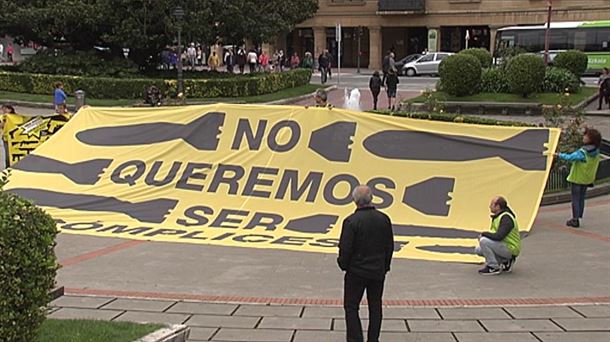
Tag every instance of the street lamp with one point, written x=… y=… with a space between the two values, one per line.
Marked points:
x=179 y=15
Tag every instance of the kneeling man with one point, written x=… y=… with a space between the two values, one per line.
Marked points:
x=502 y=244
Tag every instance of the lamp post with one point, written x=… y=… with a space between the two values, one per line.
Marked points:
x=179 y=15
x=547 y=35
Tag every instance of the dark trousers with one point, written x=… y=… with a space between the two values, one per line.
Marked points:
x=375 y=94
x=603 y=97
x=578 y=200
x=323 y=74
x=353 y=291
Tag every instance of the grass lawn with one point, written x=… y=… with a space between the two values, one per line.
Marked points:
x=6 y=96
x=59 y=330
x=543 y=98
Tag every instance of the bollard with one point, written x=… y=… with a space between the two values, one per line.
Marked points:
x=80 y=100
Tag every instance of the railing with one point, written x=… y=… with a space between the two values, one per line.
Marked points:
x=414 y=6
x=557 y=177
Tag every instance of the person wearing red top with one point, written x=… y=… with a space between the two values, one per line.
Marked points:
x=295 y=61
x=263 y=60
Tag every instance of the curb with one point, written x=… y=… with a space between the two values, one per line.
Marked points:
x=56 y=293
x=298 y=98
x=173 y=333
x=449 y=302
x=33 y=104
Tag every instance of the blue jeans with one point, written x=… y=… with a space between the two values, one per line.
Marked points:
x=495 y=252
x=578 y=200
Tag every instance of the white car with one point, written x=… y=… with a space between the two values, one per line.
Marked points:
x=426 y=64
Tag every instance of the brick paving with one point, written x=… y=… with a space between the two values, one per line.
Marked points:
x=313 y=323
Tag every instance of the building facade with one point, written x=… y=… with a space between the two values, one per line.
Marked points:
x=370 y=28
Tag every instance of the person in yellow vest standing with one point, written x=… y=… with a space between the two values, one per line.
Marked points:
x=502 y=244
x=585 y=162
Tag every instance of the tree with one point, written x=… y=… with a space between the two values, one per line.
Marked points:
x=147 y=26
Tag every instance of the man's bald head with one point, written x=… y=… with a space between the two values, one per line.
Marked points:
x=362 y=196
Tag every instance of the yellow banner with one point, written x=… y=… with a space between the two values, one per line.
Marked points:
x=23 y=134
x=280 y=177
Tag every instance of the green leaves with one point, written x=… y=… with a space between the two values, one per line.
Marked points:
x=147 y=26
x=27 y=266
x=460 y=74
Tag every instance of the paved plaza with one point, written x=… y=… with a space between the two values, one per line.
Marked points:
x=559 y=290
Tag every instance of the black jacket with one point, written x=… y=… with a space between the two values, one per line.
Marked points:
x=366 y=244
x=375 y=84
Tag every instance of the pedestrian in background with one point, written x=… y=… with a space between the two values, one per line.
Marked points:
x=252 y=60
x=213 y=61
x=604 y=88
x=295 y=61
x=59 y=99
x=366 y=246
x=263 y=60
x=585 y=162
x=375 y=86
x=391 y=88
x=323 y=65
x=241 y=59
x=308 y=61
x=6 y=109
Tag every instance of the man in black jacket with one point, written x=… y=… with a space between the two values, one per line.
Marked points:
x=365 y=253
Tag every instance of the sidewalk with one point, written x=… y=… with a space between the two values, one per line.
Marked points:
x=337 y=99
x=309 y=323
x=559 y=290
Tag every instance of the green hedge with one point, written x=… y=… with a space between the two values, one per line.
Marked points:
x=574 y=60
x=481 y=54
x=454 y=118
x=27 y=266
x=460 y=74
x=525 y=74
x=128 y=88
x=494 y=80
x=559 y=80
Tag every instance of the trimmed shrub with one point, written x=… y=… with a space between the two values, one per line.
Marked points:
x=574 y=60
x=559 y=80
x=78 y=63
x=508 y=53
x=494 y=80
x=525 y=74
x=27 y=266
x=460 y=74
x=133 y=88
x=481 y=54
x=446 y=117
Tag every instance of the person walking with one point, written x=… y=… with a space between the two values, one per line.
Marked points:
x=385 y=67
x=252 y=60
x=391 y=88
x=585 y=162
x=9 y=53
x=263 y=60
x=375 y=87
x=366 y=246
x=191 y=55
x=502 y=244
x=241 y=59
x=604 y=88
x=323 y=64
x=229 y=60
x=213 y=61
x=281 y=62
